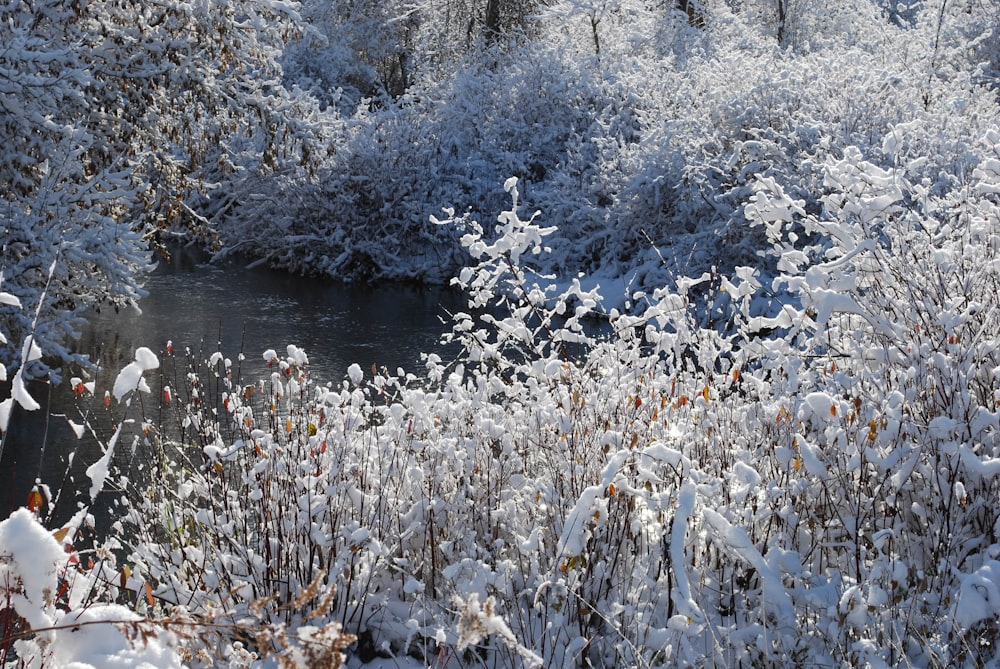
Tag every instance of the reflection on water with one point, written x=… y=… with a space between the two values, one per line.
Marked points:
x=230 y=309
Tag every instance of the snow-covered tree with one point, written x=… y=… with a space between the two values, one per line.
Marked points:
x=120 y=122
x=354 y=49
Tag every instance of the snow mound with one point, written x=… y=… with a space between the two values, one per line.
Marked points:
x=97 y=638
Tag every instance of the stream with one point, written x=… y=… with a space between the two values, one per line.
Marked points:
x=202 y=308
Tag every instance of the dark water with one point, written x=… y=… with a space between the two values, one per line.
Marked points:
x=206 y=308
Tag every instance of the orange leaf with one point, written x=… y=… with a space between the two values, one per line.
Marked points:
x=736 y=375
x=149 y=594
x=611 y=490
x=704 y=393
x=35 y=500
x=833 y=409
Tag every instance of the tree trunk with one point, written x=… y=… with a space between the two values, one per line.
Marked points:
x=782 y=16
x=597 y=40
x=492 y=19
x=696 y=19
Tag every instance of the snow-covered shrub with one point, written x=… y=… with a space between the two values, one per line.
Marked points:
x=49 y=613
x=450 y=142
x=655 y=142
x=66 y=602
x=480 y=481
x=807 y=472
x=897 y=418
x=760 y=112
x=60 y=202
x=56 y=613
x=47 y=621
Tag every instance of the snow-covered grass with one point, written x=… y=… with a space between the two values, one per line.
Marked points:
x=716 y=481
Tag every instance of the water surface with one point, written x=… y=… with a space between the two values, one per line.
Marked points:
x=202 y=308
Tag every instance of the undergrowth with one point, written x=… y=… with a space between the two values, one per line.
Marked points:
x=739 y=471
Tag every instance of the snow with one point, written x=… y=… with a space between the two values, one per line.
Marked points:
x=735 y=539
x=811 y=458
x=5 y=408
x=943 y=427
x=577 y=526
x=130 y=378
x=629 y=484
x=683 y=597
x=33 y=558
x=98 y=637
x=18 y=391
x=8 y=299
x=99 y=471
x=978 y=595
x=297 y=355
x=354 y=373
x=985 y=467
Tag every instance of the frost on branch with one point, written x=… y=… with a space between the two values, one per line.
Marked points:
x=477 y=622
